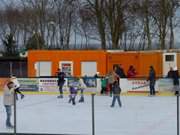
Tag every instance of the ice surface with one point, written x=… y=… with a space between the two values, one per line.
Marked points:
x=138 y=116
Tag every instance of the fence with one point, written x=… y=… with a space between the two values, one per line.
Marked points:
x=41 y=112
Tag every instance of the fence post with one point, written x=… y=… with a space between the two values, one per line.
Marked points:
x=178 y=114
x=93 y=115
x=15 y=127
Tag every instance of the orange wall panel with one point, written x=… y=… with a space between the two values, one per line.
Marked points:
x=75 y=56
x=150 y=59
x=178 y=61
x=125 y=59
x=140 y=60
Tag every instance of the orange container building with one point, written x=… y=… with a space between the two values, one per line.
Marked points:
x=74 y=63
x=88 y=62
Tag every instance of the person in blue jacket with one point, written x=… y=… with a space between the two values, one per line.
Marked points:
x=152 y=80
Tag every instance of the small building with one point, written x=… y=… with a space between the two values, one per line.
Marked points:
x=88 y=62
x=13 y=65
x=72 y=62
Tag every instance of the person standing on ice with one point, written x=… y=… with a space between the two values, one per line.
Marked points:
x=17 y=86
x=170 y=73
x=8 y=100
x=116 y=94
x=175 y=77
x=61 y=75
x=152 y=80
x=112 y=77
x=82 y=86
x=73 y=92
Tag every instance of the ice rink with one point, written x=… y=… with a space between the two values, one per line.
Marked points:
x=139 y=115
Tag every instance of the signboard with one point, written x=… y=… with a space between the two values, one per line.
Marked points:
x=67 y=67
x=136 y=85
x=139 y=85
x=28 y=84
x=90 y=82
x=165 y=84
x=49 y=84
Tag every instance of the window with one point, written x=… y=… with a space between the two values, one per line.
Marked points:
x=170 y=58
x=88 y=68
x=43 y=68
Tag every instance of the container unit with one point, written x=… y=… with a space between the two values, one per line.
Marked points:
x=140 y=60
x=73 y=63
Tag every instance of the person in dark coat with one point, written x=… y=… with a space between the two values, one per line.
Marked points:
x=170 y=73
x=61 y=81
x=152 y=80
x=176 y=80
x=116 y=94
x=120 y=71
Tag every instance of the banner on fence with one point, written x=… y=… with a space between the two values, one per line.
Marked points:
x=50 y=84
x=28 y=84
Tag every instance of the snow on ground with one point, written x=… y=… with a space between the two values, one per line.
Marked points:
x=139 y=115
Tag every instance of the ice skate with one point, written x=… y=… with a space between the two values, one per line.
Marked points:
x=60 y=96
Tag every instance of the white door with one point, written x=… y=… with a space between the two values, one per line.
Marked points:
x=169 y=60
x=88 y=68
x=43 y=68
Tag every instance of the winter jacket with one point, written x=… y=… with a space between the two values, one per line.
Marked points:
x=152 y=76
x=61 y=76
x=16 y=82
x=8 y=97
x=103 y=83
x=116 y=89
x=120 y=73
x=176 y=77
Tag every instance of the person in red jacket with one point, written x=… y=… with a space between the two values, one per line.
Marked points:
x=131 y=72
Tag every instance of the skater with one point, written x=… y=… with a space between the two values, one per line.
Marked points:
x=175 y=77
x=72 y=96
x=8 y=100
x=82 y=86
x=112 y=77
x=61 y=81
x=103 y=85
x=17 y=87
x=152 y=80
x=170 y=73
x=116 y=94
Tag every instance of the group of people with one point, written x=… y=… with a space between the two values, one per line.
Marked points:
x=11 y=91
x=114 y=75
x=172 y=74
x=73 y=88
x=12 y=87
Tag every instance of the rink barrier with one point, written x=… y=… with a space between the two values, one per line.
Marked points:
x=133 y=85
